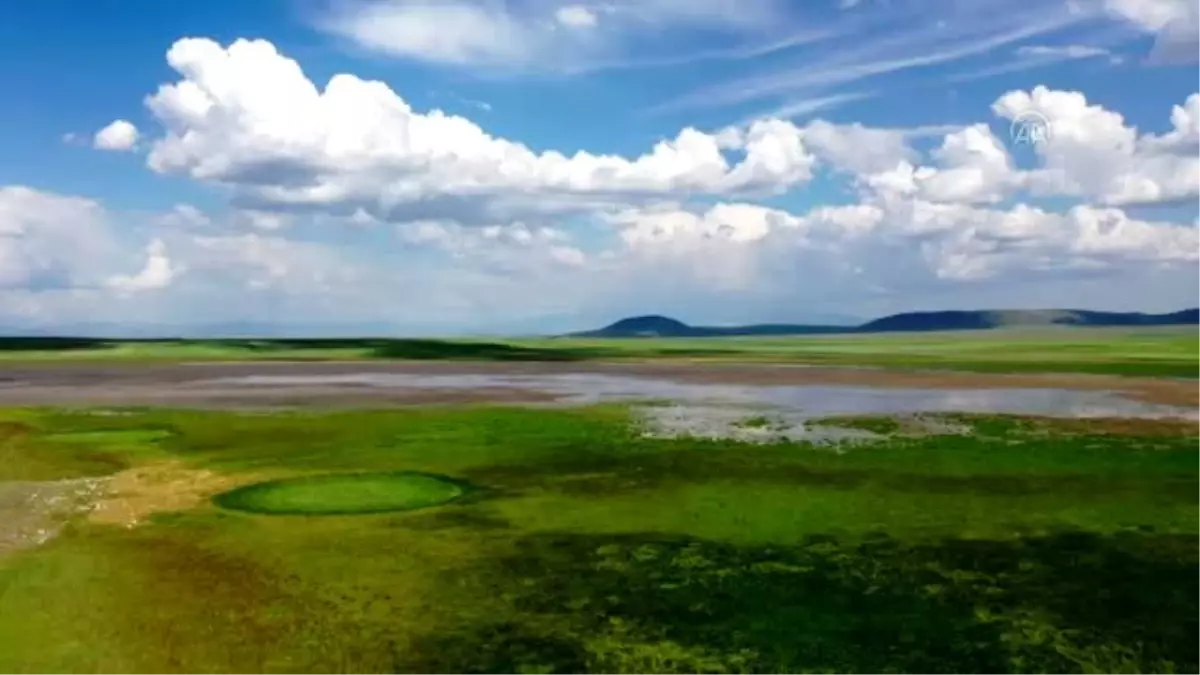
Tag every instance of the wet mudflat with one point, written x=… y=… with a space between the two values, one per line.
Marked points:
x=819 y=390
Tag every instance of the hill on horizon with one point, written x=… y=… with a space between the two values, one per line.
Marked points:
x=655 y=325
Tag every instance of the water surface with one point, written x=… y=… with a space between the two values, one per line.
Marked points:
x=805 y=401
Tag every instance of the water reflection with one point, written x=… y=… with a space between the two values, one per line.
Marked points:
x=798 y=401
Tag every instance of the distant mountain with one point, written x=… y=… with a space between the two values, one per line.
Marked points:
x=651 y=326
x=980 y=320
x=662 y=326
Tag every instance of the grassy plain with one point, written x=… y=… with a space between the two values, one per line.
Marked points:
x=1167 y=351
x=582 y=546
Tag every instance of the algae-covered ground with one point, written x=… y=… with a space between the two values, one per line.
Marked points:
x=574 y=543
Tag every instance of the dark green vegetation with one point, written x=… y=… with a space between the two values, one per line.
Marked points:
x=873 y=423
x=758 y=422
x=1023 y=548
x=662 y=326
x=342 y=494
x=1162 y=351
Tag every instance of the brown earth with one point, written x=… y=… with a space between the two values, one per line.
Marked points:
x=33 y=512
x=190 y=385
x=130 y=496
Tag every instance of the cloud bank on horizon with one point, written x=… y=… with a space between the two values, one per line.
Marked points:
x=551 y=165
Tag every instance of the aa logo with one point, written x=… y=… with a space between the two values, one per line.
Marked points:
x=1030 y=128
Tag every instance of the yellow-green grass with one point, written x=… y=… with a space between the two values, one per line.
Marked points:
x=1166 y=351
x=584 y=546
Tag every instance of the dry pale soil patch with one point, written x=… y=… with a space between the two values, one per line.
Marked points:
x=133 y=495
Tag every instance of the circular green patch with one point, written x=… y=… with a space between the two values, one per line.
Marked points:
x=340 y=494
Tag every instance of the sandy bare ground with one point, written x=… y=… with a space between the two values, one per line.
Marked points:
x=131 y=496
x=33 y=512
x=192 y=385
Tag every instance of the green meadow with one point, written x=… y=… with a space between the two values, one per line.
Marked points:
x=503 y=539
x=1166 y=351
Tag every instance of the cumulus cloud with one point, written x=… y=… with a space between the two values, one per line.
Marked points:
x=50 y=241
x=65 y=259
x=971 y=166
x=157 y=273
x=947 y=242
x=248 y=117
x=437 y=219
x=1175 y=23
x=575 y=16
x=857 y=148
x=1092 y=153
x=747 y=259
x=119 y=135
x=184 y=217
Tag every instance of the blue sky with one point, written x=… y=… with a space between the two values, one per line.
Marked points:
x=539 y=165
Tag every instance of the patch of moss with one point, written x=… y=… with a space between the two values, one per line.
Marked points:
x=343 y=494
x=882 y=425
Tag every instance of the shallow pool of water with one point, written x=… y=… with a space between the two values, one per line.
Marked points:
x=806 y=401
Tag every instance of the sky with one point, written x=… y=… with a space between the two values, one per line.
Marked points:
x=419 y=167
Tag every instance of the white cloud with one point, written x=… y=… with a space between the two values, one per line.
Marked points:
x=971 y=166
x=49 y=241
x=448 y=32
x=1064 y=52
x=119 y=135
x=1149 y=14
x=805 y=106
x=575 y=16
x=65 y=259
x=184 y=216
x=942 y=242
x=262 y=220
x=259 y=261
x=1094 y=154
x=528 y=35
x=487 y=228
x=248 y=118
x=748 y=260
x=857 y=148
x=900 y=38
x=1175 y=23
x=157 y=273
x=511 y=248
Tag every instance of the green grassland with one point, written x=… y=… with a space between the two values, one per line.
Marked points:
x=578 y=545
x=1167 y=351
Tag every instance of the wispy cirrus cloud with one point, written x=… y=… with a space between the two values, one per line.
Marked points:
x=563 y=35
x=803 y=107
x=1033 y=57
x=1063 y=52
x=892 y=40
